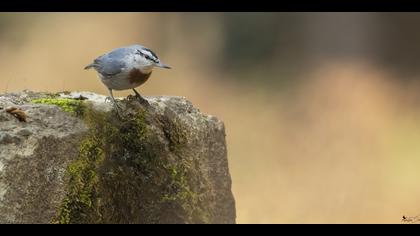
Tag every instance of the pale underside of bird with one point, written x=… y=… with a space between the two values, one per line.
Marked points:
x=126 y=68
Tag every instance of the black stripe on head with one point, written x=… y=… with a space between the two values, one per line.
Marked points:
x=153 y=54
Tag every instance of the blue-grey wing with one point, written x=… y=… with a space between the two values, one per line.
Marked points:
x=109 y=66
x=111 y=63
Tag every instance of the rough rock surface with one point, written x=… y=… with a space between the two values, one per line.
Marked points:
x=78 y=161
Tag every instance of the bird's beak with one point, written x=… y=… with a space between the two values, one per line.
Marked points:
x=161 y=65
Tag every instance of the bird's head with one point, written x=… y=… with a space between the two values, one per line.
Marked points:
x=146 y=60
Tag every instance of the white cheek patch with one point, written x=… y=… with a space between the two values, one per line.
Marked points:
x=139 y=61
x=135 y=61
x=146 y=69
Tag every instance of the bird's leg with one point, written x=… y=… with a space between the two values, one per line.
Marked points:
x=141 y=99
x=113 y=100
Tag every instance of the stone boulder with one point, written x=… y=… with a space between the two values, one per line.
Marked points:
x=75 y=159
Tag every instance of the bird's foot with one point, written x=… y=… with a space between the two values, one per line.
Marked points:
x=114 y=103
x=108 y=99
x=118 y=110
x=142 y=100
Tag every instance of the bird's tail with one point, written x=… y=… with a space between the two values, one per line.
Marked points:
x=89 y=66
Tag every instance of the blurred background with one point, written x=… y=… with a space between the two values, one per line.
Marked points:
x=322 y=110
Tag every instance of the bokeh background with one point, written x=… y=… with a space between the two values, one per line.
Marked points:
x=322 y=110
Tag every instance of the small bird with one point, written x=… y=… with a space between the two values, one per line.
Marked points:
x=126 y=68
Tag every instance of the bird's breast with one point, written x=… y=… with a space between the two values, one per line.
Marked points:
x=126 y=80
x=137 y=77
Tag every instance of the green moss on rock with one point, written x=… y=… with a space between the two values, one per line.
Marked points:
x=125 y=173
x=74 y=106
x=80 y=204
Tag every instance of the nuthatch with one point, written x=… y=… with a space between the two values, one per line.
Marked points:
x=126 y=68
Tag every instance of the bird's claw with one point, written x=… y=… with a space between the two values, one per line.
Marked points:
x=116 y=106
x=118 y=110
x=108 y=99
x=142 y=100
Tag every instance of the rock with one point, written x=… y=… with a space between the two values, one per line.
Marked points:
x=24 y=132
x=6 y=138
x=411 y=219
x=81 y=162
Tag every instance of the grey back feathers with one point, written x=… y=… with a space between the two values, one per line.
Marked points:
x=107 y=65
x=115 y=61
